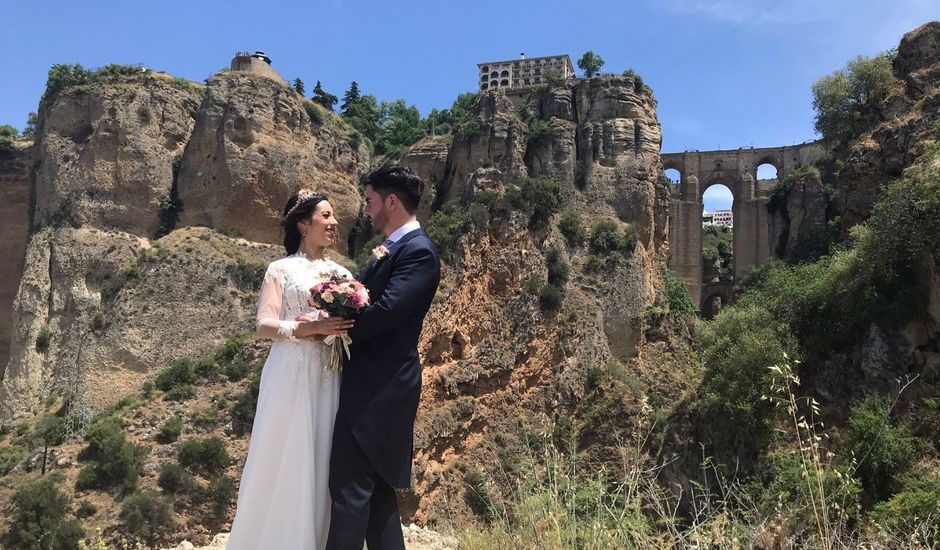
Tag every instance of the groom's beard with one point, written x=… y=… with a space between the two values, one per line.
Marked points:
x=379 y=222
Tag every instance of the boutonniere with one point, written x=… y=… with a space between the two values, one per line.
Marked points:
x=379 y=252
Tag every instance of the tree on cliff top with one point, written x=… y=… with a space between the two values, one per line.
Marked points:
x=838 y=96
x=350 y=98
x=299 y=86
x=590 y=63
x=324 y=98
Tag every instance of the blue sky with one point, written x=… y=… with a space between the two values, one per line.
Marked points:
x=726 y=73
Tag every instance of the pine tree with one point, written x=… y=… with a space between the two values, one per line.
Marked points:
x=323 y=97
x=350 y=98
x=299 y=86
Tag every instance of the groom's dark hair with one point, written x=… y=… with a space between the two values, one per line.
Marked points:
x=399 y=181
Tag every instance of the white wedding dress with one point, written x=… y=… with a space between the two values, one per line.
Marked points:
x=284 y=497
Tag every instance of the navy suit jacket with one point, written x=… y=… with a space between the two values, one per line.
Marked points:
x=382 y=380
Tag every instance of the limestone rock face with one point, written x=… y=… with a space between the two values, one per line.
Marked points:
x=254 y=145
x=494 y=359
x=919 y=50
x=802 y=218
x=105 y=155
x=492 y=156
x=15 y=187
x=428 y=158
x=98 y=305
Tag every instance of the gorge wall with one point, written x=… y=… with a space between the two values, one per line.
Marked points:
x=155 y=209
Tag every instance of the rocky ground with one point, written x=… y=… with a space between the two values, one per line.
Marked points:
x=416 y=538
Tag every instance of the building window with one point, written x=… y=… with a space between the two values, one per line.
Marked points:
x=485 y=69
x=494 y=84
x=505 y=73
x=484 y=86
x=504 y=82
x=494 y=74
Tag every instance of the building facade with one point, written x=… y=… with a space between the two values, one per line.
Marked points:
x=516 y=73
x=723 y=217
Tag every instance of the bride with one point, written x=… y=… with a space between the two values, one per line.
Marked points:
x=284 y=498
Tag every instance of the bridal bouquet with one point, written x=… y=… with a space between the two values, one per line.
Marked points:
x=339 y=297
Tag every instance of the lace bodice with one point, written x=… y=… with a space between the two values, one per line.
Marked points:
x=285 y=291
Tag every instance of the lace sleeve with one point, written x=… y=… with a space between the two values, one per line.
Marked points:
x=268 y=322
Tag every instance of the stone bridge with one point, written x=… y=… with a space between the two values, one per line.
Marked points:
x=736 y=169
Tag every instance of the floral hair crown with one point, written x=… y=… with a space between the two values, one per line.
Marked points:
x=303 y=196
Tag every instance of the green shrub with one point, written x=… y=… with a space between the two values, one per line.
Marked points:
x=532 y=284
x=550 y=297
x=181 y=372
x=219 y=495
x=914 y=506
x=446 y=227
x=207 y=368
x=205 y=418
x=147 y=516
x=243 y=412
x=571 y=227
x=230 y=349
x=174 y=479
x=180 y=393
x=478 y=495
x=607 y=238
x=206 y=456
x=557 y=268
x=479 y=216
x=42 y=339
x=595 y=263
x=539 y=198
x=10 y=457
x=64 y=76
x=883 y=451
x=170 y=430
x=791 y=486
x=638 y=84
x=738 y=349
x=236 y=369
x=38 y=518
x=114 y=461
x=539 y=131
x=85 y=509
x=50 y=430
x=677 y=294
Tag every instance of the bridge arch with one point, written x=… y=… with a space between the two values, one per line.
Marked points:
x=737 y=170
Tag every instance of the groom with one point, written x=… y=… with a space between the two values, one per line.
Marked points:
x=374 y=430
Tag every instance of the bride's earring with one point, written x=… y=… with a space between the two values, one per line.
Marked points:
x=303 y=233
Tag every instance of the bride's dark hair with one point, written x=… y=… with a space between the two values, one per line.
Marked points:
x=296 y=209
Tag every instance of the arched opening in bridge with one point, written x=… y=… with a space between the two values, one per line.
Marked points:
x=673 y=175
x=712 y=305
x=717 y=235
x=766 y=173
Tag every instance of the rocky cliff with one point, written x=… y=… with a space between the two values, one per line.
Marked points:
x=15 y=190
x=897 y=128
x=155 y=212
x=116 y=166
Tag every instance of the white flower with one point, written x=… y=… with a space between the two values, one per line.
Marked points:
x=327 y=297
x=379 y=252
